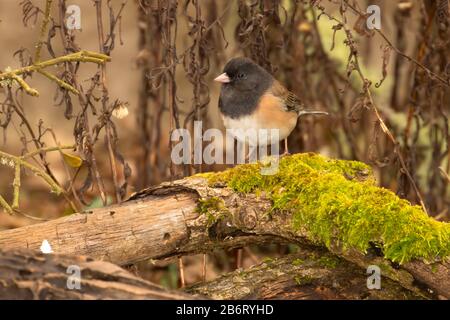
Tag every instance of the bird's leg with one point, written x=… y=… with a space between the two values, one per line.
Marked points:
x=250 y=153
x=286 y=149
x=246 y=152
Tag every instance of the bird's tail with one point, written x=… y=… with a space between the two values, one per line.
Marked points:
x=304 y=112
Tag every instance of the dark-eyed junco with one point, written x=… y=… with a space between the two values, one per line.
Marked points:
x=251 y=98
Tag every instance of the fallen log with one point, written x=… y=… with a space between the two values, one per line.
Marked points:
x=309 y=274
x=311 y=199
x=26 y=275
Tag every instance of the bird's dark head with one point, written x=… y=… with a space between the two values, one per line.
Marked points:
x=243 y=84
x=244 y=75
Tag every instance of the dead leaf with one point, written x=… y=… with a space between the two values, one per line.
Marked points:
x=72 y=160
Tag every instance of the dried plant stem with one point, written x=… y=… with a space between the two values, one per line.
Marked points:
x=112 y=162
x=31 y=91
x=58 y=148
x=60 y=82
x=112 y=158
x=42 y=34
x=20 y=162
x=181 y=269
x=69 y=177
x=16 y=186
x=355 y=152
x=204 y=267
x=397 y=150
x=5 y=205
x=444 y=174
x=81 y=56
x=35 y=140
x=83 y=99
x=48 y=149
x=390 y=44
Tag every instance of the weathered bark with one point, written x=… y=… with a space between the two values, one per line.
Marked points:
x=163 y=223
x=308 y=274
x=25 y=274
x=311 y=273
x=166 y=221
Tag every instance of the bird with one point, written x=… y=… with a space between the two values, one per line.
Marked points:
x=251 y=98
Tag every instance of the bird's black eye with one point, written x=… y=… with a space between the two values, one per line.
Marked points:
x=241 y=76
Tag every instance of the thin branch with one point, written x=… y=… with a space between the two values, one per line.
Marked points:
x=60 y=82
x=48 y=149
x=112 y=158
x=404 y=55
x=81 y=56
x=20 y=161
x=24 y=85
x=5 y=205
x=44 y=26
x=444 y=174
x=30 y=216
x=16 y=186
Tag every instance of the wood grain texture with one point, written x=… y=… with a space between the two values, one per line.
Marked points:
x=121 y=234
x=26 y=274
x=308 y=274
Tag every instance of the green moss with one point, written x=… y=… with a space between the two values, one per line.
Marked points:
x=434 y=268
x=214 y=208
x=332 y=203
x=328 y=262
x=267 y=260
x=297 y=262
x=205 y=205
x=385 y=268
x=303 y=280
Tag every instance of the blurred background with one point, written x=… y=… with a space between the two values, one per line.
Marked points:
x=387 y=92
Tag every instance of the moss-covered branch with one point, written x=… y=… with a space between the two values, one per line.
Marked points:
x=310 y=273
x=310 y=200
x=327 y=198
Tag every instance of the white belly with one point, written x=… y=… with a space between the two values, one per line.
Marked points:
x=249 y=130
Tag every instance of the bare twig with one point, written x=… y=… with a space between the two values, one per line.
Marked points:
x=81 y=56
x=43 y=31
x=17 y=163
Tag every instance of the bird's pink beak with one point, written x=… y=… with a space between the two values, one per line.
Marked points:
x=223 y=78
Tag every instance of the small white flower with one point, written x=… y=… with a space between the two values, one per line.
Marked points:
x=46 y=247
x=121 y=111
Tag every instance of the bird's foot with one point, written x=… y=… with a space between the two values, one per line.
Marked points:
x=284 y=154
